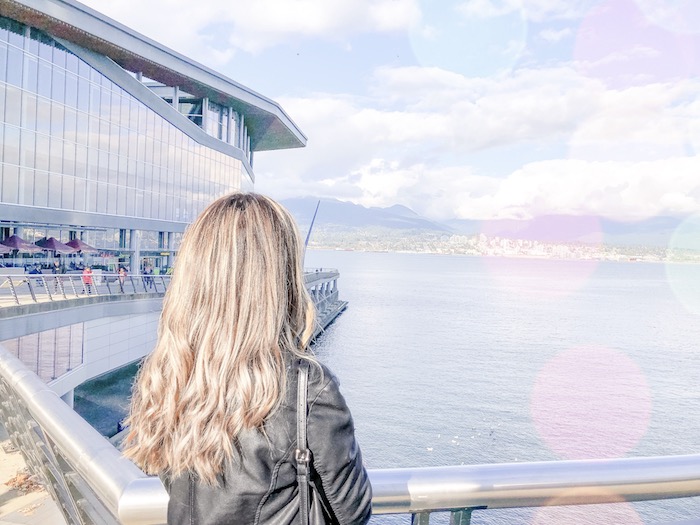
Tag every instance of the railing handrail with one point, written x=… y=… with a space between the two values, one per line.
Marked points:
x=535 y=484
x=141 y=500
x=33 y=288
x=91 y=455
x=77 y=273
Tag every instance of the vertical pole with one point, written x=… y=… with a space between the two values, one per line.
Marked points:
x=308 y=235
x=241 y=130
x=461 y=517
x=421 y=518
x=135 y=248
x=171 y=245
x=205 y=114
x=229 y=124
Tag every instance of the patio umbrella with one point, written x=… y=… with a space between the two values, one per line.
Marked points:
x=19 y=244
x=4 y=249
x=81 y=246
x=53 y=244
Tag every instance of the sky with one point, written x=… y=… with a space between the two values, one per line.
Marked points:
x=463 y=109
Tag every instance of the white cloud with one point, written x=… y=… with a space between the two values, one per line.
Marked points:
x=682 y=16
x=620 y=190
x=473 y=114
x=534 y=10
x=552 y=35
x=254 y=26
x=544 y=10
x=626 y=147
x=655 y=112
x=616 y=190
x=488 y=8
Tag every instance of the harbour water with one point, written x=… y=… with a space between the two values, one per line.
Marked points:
x=446 y=360
x=449 y=360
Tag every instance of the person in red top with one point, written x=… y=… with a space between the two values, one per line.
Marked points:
x=122 y=278
x=87 y=280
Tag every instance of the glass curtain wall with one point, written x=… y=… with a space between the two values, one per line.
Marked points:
x=72 y=139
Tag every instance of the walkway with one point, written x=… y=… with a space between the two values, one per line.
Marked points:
x=25 y=289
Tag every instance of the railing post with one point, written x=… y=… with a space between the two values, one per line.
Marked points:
x=12 y=289
x=31 y=289
x=46 y=287
x=58 y=286
x=72 y=285
x=461 y=517
x=421 y=518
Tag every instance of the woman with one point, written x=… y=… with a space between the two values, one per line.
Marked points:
x=214 y=406
x=122 y=278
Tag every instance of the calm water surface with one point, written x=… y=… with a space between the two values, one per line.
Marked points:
x=449 y=360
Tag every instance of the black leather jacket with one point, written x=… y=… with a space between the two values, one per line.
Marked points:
x=260 y=485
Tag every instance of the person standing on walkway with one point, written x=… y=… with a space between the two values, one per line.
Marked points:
x=87 y=280
x=122 y=278
x=55 y=270
x=214 y=406
x=148 y=279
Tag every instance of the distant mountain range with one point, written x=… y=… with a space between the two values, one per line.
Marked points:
x=346 y=217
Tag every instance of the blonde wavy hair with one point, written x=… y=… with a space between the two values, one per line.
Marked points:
x=235 y=310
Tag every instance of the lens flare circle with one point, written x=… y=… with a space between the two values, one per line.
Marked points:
x=618 y=511
x=547 y=257
x=678 y=16
x=591 y=402
x=616 y=44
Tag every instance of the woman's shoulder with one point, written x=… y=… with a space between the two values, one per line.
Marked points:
x=320 y=377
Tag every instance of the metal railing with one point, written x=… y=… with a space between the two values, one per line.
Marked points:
x=22 y=289
x=94 y=484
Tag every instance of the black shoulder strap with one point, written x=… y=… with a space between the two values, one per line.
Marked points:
x=303 y=454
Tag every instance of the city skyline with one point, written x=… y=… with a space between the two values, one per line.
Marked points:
x=476 y=109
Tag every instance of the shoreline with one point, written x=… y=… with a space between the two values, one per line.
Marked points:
x=510 y=256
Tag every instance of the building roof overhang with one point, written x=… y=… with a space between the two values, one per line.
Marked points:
x=269 y=127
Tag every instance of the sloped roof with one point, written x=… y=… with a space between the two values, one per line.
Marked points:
x=269 y=127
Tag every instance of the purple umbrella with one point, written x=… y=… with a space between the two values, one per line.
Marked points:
x=19 y=244
x=4 y=249
x=53 y=244
x=81 y=246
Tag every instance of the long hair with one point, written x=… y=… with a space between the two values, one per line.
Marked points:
x=235 y=311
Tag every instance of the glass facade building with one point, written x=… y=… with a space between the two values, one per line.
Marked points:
x=90 y=150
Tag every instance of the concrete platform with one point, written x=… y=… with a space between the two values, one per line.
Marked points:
x=18 y=507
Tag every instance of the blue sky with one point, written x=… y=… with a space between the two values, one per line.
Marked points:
x=474 y=109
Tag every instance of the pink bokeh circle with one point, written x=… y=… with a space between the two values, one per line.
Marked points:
x=547 y=257
x=617 y=43
x=591 y=402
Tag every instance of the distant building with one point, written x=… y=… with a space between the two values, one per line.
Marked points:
x=109 y=137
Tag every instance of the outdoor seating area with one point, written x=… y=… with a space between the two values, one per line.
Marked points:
x=51 y=256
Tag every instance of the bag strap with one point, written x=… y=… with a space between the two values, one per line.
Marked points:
x=303 y=454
